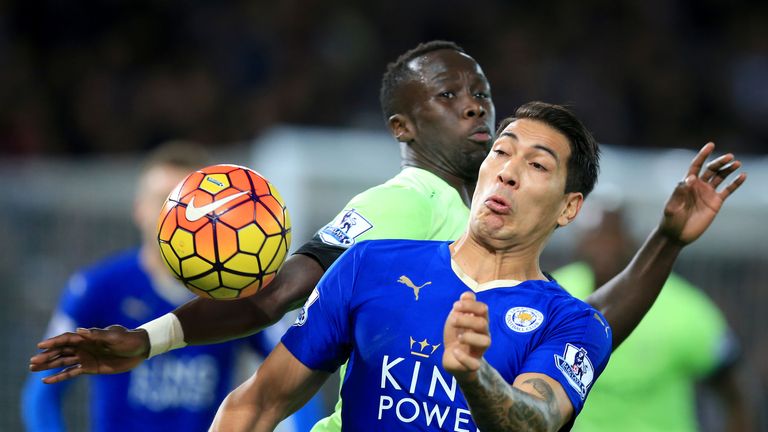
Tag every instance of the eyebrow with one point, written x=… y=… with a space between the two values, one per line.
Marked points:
x=536 y=146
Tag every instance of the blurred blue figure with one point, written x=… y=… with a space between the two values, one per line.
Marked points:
x=178 y=391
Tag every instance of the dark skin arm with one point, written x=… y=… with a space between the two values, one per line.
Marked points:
x=281 y=386
x=117 y=349
x=690 y=210
x=288 y=291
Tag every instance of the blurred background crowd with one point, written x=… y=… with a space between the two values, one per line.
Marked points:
x=291 y=88
x=117 y=76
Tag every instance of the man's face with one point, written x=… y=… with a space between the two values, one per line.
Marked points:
x=153 y=188
x=451 y=111
x=520 y=196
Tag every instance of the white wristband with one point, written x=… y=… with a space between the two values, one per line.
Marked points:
x=165 y=334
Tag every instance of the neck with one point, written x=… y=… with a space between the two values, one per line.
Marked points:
x=465 y=187
x=484 y=264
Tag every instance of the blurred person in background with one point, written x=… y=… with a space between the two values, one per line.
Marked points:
x=180 y=391
x=649 y=384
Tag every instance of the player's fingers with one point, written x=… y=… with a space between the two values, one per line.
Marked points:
x=716 y=165
x=466 y=360
x=68 y=338
x=45 y=356
x=467 y=295
x=475 y=340
x=698 y=160
x=49 y=358
x=470 y=322
x=735 y=184
x=724 y=172
x=64 y=375
x=473 y=307
x=60 y=362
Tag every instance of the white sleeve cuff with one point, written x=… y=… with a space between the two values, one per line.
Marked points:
x=165 y=334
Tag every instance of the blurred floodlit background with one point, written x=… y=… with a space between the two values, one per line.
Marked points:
x=290 y=88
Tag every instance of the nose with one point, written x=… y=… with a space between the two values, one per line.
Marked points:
x=474 y=109
x=508 y=174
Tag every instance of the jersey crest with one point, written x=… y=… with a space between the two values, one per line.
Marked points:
x=523 y=319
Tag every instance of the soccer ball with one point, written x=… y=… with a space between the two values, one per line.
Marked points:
x=224 y=232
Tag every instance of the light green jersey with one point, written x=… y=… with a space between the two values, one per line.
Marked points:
x=648 y=384
x=415 y=204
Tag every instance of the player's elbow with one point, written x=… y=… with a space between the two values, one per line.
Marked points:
x=264 y=311
x=288 y=291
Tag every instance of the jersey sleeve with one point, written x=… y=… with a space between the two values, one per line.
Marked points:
x=574 y=353
x=321 y=337
x=325 y=254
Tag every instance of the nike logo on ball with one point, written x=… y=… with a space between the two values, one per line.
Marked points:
x=194 y=213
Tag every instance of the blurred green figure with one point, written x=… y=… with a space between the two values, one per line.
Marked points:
x=649 y=383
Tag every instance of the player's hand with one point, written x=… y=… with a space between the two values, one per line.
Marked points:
x=111 y=350
x=695 y=201
x=466 y=337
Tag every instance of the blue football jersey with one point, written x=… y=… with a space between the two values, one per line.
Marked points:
x=179 y=390
x=383 y=305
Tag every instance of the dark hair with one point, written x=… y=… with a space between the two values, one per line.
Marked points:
x=178 y=154
x=584 y=163
x=398 y=73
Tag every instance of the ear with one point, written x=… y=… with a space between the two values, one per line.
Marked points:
x=573 y=203
x=401 y=128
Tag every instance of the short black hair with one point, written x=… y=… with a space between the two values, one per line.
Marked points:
x=584 y=163
x=398 y=73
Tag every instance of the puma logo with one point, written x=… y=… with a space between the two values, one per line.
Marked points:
x=597 y=317
x=407 y=282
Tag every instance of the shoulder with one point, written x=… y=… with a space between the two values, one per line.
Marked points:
x=379 y=213
x=109 y=270
x=567 y=311
x=582 y=325
x=398 y=246
x=392 y=195
x=119 y=261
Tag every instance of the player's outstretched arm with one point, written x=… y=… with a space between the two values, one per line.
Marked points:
x=534 y=402
x=689 y=211
x=211 y=321
x=116 y=349
x=281 y=386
